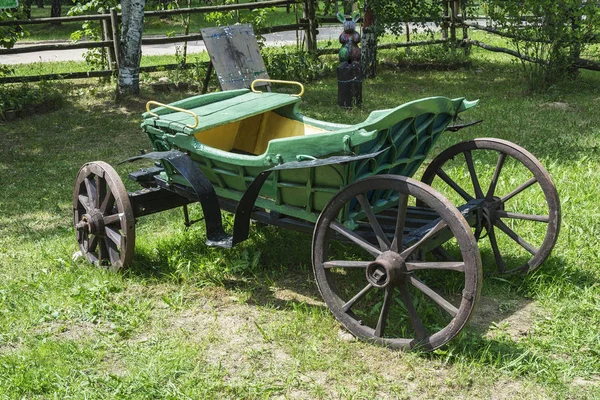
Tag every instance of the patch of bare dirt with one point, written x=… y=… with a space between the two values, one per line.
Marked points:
x=69 y=330
x=557 y=105
x=233 y=337
x=513 y=317
x=290 y=295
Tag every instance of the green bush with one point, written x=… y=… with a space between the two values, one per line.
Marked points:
x=24 y=98
x=549 y=34
x=286 y=63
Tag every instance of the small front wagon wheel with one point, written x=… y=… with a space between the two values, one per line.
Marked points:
x=520 y=208
x=366 y=260
x=103 y=216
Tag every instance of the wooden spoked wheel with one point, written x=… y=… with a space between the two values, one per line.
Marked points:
x=103 y=217
x=368 y=270
x=520 y=215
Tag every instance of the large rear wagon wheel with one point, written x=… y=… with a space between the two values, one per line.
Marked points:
x=103 y=217
x=521 y=208
x=373 y=279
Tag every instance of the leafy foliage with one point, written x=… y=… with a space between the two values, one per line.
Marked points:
x=285 y=63
x=18 y=98
x=90 y=30
x=257 y=18
x=550 y=34
x=10 y=34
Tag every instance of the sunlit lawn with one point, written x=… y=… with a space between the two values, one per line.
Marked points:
x=186 y=321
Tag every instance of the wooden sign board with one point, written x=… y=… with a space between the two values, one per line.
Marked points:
x=9 y=3
x=235 y=55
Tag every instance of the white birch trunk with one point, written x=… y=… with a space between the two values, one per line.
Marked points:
x=130 y=49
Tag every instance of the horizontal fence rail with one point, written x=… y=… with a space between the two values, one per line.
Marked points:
x=453 y=23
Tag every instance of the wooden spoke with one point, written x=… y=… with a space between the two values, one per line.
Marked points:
x=107 y=203
x=112 y=219
x=92 y=258
x=454 y=185
x=102 y=250
x=514 y=236
x=93 y=242
x=113 y=251
x=433 y=231
x=90 y=188
x=433 y=295
x=345 y=264
x=519 y=190
x=336 y=226
x=400 y=223
x=85 y=202
x=474 y=179
x=447 y=265
x=412 y=312
x=100 y=190
x=526 y=217
x=494 y=182
x=384 y=242
x=346 y=307
x=494 y=243
x=385 y=309
x=114 y=235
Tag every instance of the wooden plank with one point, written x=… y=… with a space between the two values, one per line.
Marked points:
x=226 y=111
x=235 y=55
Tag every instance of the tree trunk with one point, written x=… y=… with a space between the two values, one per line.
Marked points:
x=130 y=49
x=369 y=40
x=348 y=7
x=40 y=3
x=56 y=10
x=27 y=8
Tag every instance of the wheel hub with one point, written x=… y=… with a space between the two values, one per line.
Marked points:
x=493 y=203
x=387 y=268
x=90 y=224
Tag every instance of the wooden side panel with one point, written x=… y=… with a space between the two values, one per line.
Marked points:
x=235 y=56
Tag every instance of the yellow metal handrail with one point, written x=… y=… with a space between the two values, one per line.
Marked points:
x=278 y=81
x=172 y=108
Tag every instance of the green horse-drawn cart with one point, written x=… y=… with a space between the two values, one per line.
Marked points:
x=394 y=259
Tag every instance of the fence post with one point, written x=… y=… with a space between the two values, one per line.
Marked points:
x=445 y=20
x=311 y=34
x=465 y=28
x=107 y=34
x=453 y=10
x=114 y=22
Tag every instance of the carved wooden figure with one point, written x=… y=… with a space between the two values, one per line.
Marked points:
x=350 y=52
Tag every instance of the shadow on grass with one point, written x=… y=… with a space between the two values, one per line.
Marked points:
x=272 y=268
x=283 y=279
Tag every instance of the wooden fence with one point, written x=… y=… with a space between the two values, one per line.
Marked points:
x=454 y=26
x=110 y=40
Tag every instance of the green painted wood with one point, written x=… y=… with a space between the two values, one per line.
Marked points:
x=407 y=132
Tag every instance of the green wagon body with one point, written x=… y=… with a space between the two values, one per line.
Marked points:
x=241 y=133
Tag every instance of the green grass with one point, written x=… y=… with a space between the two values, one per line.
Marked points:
x=187 y=321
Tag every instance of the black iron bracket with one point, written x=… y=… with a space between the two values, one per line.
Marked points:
x=204 y=190
x=458 y=127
